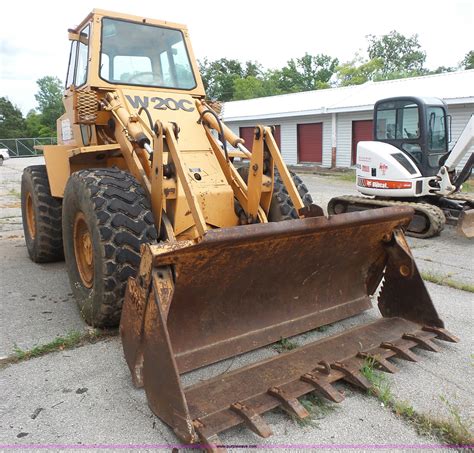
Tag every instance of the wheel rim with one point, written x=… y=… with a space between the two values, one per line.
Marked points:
x=30 y=216
x=83 y=250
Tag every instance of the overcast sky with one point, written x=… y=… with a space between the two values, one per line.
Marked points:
x=33 y=35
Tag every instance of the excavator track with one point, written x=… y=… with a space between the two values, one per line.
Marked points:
x=424 y=213
x=461 y=196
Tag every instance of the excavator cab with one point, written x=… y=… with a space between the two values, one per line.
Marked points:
x=417 y=126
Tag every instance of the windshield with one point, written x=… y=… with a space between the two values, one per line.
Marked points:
x=141 y=54
x=397 y=121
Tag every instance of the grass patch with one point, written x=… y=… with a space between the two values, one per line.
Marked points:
x=349 y=176
x=71 y=340
x=446 y=280
x=454 y=431
x=322 y=328
x=285 y=345
x=14 y=193
x=468 y=186
x=317 y=407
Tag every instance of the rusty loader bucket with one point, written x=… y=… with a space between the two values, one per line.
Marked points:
x=466 y=223
x=241 y=288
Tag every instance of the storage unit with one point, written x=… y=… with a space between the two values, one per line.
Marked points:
x=247 y=132
x=344 y=115
x=310 y=142
x=362 y=130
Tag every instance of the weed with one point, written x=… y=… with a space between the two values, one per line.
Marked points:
x=418 y=246
x=452 y=432
x=445 y=280
x=285 y=345
x=380 y=385
x=68 y=341
x=14 y=193
x=463 y=428
x=468 y=186
x=322 y=328
x=346 y=176
x=317 y=407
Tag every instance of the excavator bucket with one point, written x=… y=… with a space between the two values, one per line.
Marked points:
x=241 y=288
x=466 y=223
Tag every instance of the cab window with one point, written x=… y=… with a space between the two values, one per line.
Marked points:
x=146 y=55
x=82 y=57
x=72 y=64
x=398 y=121
x=436 y=129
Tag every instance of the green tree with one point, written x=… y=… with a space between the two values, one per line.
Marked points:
x=468 y=62
x=358 y=71
x=218 y=77
x=12 y=123
x=35 y=126
x=252 y=87
x=49 y=98
x=402 y=56
x=442 y=70
x=310 y=72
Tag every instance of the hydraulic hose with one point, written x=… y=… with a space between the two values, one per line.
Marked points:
x=221 y=130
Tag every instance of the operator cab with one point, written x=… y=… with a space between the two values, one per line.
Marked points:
x=416 y=126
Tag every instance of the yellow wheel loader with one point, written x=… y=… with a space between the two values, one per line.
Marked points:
x=199 y=261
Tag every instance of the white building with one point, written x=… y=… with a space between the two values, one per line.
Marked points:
x=323 y=127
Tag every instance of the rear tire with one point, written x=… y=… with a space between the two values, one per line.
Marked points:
x=281 y=207
x=41 y=214
x=106 y=218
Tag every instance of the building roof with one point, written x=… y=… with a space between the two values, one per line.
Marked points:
x=452 y=87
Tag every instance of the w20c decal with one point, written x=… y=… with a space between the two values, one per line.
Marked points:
x=160 y=103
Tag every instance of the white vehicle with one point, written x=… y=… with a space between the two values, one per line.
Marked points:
x=4 y=155
x=410 y=163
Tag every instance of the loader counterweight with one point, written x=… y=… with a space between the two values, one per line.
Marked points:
x=203 y=261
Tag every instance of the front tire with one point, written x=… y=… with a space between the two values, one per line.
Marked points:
x=41 y=214
x=281 y=206
x=106 y=218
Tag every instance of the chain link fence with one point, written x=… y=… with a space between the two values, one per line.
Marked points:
x=26 y=147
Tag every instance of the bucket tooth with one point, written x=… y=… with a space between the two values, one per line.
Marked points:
x=209 y=442
x=323 y=387
x=324 y=367
x=380 y=361
x=422 y=342
x=253 y=420
x=291 y=405
x=401 y=352
x=441 y=334
x=352 y=374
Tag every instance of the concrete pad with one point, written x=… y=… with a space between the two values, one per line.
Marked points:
x=448 y=255
x=36 y=303
x=112 y=412
x=448 y=374
x=86 y=397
